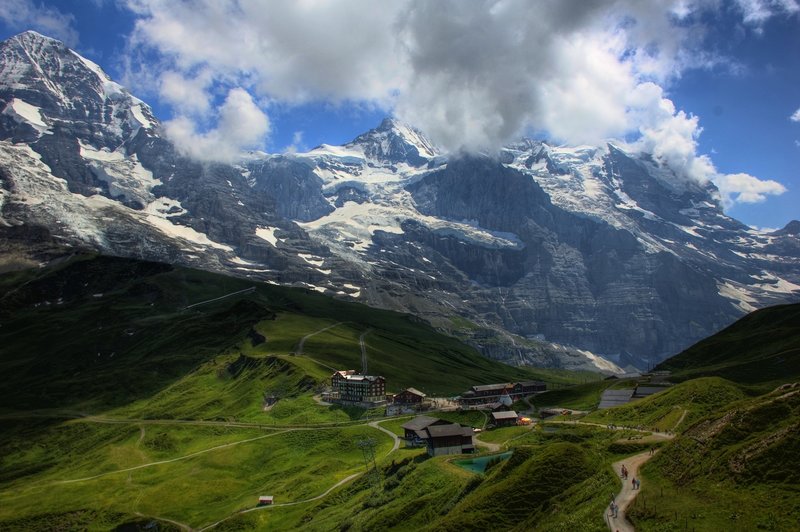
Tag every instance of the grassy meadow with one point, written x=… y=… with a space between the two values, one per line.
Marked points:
x=132 y=404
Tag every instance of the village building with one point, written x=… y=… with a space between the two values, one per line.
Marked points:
x=411 y=428
x=410 y=396
x=504 y=419
x=439 y=436
x=349 y=387
x=265 y=500
x=448 y=439
x=492 y=393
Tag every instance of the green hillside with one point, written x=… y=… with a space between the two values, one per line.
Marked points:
x=736 y=469
x=761 y=348
x=99 y=332
x=139 y=394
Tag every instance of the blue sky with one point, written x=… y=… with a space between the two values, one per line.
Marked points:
x=708 y=86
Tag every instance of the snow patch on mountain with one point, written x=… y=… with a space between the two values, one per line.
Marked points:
x=268 y=234
x=22 y=111
x=125 y=176
x=738 y=294
x=138 y=115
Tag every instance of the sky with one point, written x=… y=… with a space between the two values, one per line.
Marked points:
x=710 y=87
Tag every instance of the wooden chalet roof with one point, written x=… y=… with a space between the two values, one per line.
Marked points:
x=505 y=415
x=441 y=431
x=414 y=391
x=420 y=422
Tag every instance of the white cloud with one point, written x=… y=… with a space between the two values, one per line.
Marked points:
x=757 y=12
x=471 y=74
x=297 y=143
x=744 y=188
x=25 y=14
x=241 y=123
x=189 y=95
x=795 y=116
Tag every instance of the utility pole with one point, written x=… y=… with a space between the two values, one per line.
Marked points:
x=367 y=447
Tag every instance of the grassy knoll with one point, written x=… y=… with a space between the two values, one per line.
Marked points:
x=579 y=397
x=684 y=403
x=761 y=349
x=96 y=332
x=554 y=481
x=200 y=488
x=736 y=469
x=501 y=435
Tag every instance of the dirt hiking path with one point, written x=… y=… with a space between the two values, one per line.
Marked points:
x=626 y=496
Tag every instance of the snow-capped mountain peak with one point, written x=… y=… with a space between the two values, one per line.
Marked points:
x=538 y=246
x=394 y=142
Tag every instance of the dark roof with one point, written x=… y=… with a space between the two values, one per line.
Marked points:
x=440 y=431
x=421 y=434
x=420 y=422
x=468 y=431
x=505 y=415
x=615 y=398
x=489 y=387
x=414 y=391
x=649 y=390
x=533 y=383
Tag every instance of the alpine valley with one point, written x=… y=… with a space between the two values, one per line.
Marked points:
x=564 y=257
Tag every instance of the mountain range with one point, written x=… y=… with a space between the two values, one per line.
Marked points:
x=575 y=257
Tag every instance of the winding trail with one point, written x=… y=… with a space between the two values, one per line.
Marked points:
x=302 y=343
x=395 y=437
x=492 y=447
x=626 y=495
x=363 y=351
x=259 y=508
x=160 y=462
x=656 y=435
x=678 y=423
x=246 y=290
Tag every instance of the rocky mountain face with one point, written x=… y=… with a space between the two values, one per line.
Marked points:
x=521 y=253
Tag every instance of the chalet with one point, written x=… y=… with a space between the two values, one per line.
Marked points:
x=504 y=419
x=352 y=388
x=265 y=500
x=410 y=396
x=451 y=438
x=420 y=423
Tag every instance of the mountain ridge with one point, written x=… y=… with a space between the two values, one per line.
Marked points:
x=578 y=246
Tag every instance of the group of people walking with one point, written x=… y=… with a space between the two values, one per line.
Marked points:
x=635 y=484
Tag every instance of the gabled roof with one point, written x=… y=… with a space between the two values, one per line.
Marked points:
x=649 y=390
x=441 y=431
x=420 y=422
x=505 y=415
x=491 y=387
x=414 y=391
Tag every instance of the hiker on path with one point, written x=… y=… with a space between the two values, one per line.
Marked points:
x=633 y=483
